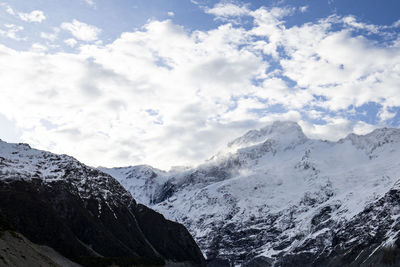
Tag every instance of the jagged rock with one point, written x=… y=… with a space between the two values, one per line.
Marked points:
x=168 y=238
x=85 y=214
x=276 y=193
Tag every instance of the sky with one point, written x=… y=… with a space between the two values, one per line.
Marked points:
x=171 y=82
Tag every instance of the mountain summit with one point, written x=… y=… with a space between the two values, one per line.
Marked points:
x=279 y=198
x=286 y=132
x=84 y=214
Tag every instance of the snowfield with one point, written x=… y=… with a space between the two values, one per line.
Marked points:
x=273 y=190
x=273 y=195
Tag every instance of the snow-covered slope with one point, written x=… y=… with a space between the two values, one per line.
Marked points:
x=144 y=180
x=21 y=162
x=277 y=194
x=85 y=214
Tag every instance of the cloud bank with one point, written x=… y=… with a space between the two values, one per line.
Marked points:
x=164 y=96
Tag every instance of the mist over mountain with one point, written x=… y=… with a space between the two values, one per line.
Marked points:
x=273 y=197
x=199 y=133
x=277 y=198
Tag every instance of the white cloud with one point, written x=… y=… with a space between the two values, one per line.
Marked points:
x=228 y=10
x=303 y=9
x=81 y=30
x=90 y=2
x=51 y=36
x=71 y=42
x=164 y=96
x=11 y=31
x=101 y=95
x=34 y=16
x=351 y=21
x=335 y=129
x=37 y=47
x=171 y=14
x=386 y=114
x=346 y=70
x=8 y=8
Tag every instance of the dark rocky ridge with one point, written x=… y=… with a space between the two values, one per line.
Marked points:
x=86 y=215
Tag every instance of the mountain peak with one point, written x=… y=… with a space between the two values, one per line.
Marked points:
x=282 y=131
x=85 y=214
x=375 y=139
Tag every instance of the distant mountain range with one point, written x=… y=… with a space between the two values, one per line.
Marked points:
x=277 y=198
x=56 y=211
x=273 y=197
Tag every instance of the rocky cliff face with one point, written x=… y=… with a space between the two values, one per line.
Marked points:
x=85 y=214
x=277 y=198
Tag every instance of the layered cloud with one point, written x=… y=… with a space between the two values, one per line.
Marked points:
x=165 y=96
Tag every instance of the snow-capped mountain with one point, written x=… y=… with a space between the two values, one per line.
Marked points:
x=276 y=197
x=85 y=214
x=144 y=180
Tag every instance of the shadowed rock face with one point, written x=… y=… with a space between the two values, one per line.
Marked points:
x=274 y=197
x=170 y=238
x=371 y=238
x=86 y=215
x=258 y=262
x=52 y=215
x=81 y=229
